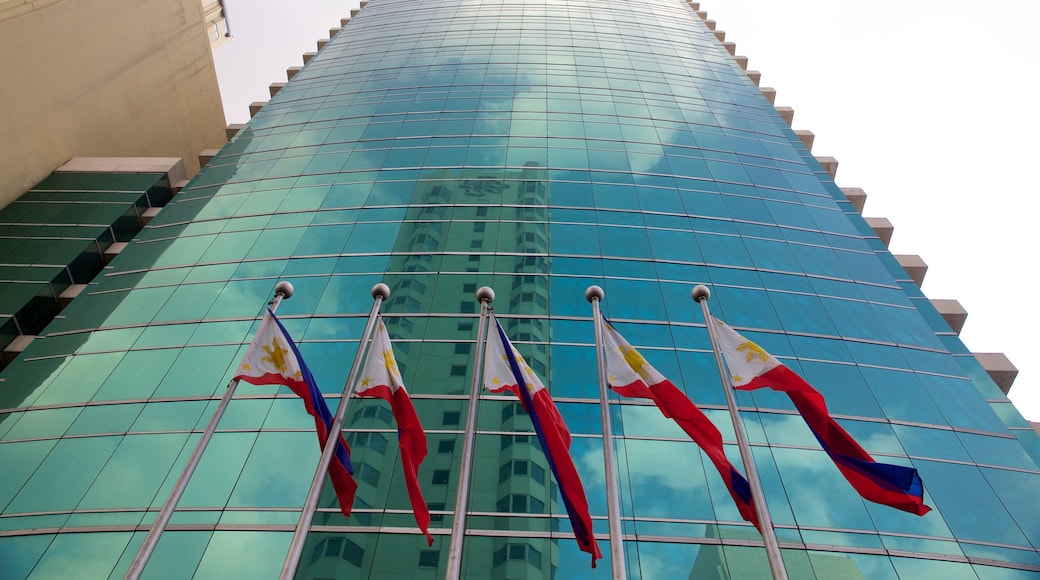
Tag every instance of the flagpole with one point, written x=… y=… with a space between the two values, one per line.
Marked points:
x=292 y=558
x=776 y=561
x=282 y=291
x=594 y=294
x=458 y=525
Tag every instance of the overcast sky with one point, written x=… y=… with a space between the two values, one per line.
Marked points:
x=928 y=105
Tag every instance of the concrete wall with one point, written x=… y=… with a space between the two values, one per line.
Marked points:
x=103 y=78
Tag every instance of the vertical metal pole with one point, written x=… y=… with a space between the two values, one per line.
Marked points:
x=282 y=290
x=458 y=525
x=617 y=551
x=310 y=504
x=776 y=561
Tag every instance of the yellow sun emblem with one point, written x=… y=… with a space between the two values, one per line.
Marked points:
x=275 y=355
x=752 y=350
x=636 y=361
x=390 y=363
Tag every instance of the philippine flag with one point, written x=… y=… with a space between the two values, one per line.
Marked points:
x=751 y=367
x=506 y=370
x=381 y=378
x=273 y=359
x=630 y=375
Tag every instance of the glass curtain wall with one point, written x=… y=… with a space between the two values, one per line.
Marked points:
x=536 y=147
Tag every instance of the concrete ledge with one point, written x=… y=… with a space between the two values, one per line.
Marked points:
x=148 y=215
x=307 y=56
x=112 y=251
x=255 y=107
x=177 y=186
x=731 y=47
x=786 y=113
x=207 y=155
x=173 y=167
x=233 y=129
x=354 y=12
x=952 y=312
x=770 y=94
x=755 y=76
x=719 y=34
x=275 y=87
x=882 y=228
x=76 y=289
x=999 y=368
x=710 y=24
x=856 y=196
x=914 y=266
x=807 y=137
x=322 y=43
x=702 y=14
x=830 y=165
x=334 y=31
x=291 y=72
x=742 y=61
x=16 y=347
x=344 y=21
x=695 y=5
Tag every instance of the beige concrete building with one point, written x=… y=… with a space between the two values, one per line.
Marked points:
x=104 y=78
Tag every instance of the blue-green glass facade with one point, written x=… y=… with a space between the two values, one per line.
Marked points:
x=538 y=148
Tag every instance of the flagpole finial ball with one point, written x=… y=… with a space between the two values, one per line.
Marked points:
x=485 y=294
x=284 y=288
x=380 y=290
x=593 y=293
x=701 y=293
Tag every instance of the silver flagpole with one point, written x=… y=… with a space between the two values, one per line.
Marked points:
x=458 y=525
x=282 y=291
x=617 y=551
x=776 y=561
x=292 y=558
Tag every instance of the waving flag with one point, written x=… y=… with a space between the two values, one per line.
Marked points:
x=381 y=378
x=751 y=367
x=506 y=370
x=273 y=359
x=630 y=375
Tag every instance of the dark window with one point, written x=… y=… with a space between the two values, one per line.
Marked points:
x=450 y=418
x=367 y=473
x=429 y=558
x=436 y=507
x=440 y=476
x=446 y=446
x=353 y=553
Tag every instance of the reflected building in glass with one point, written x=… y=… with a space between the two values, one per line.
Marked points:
x=537 y=148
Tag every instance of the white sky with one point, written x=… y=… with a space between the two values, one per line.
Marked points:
x=928 y=105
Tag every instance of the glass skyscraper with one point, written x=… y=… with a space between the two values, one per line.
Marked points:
x=536 y=147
